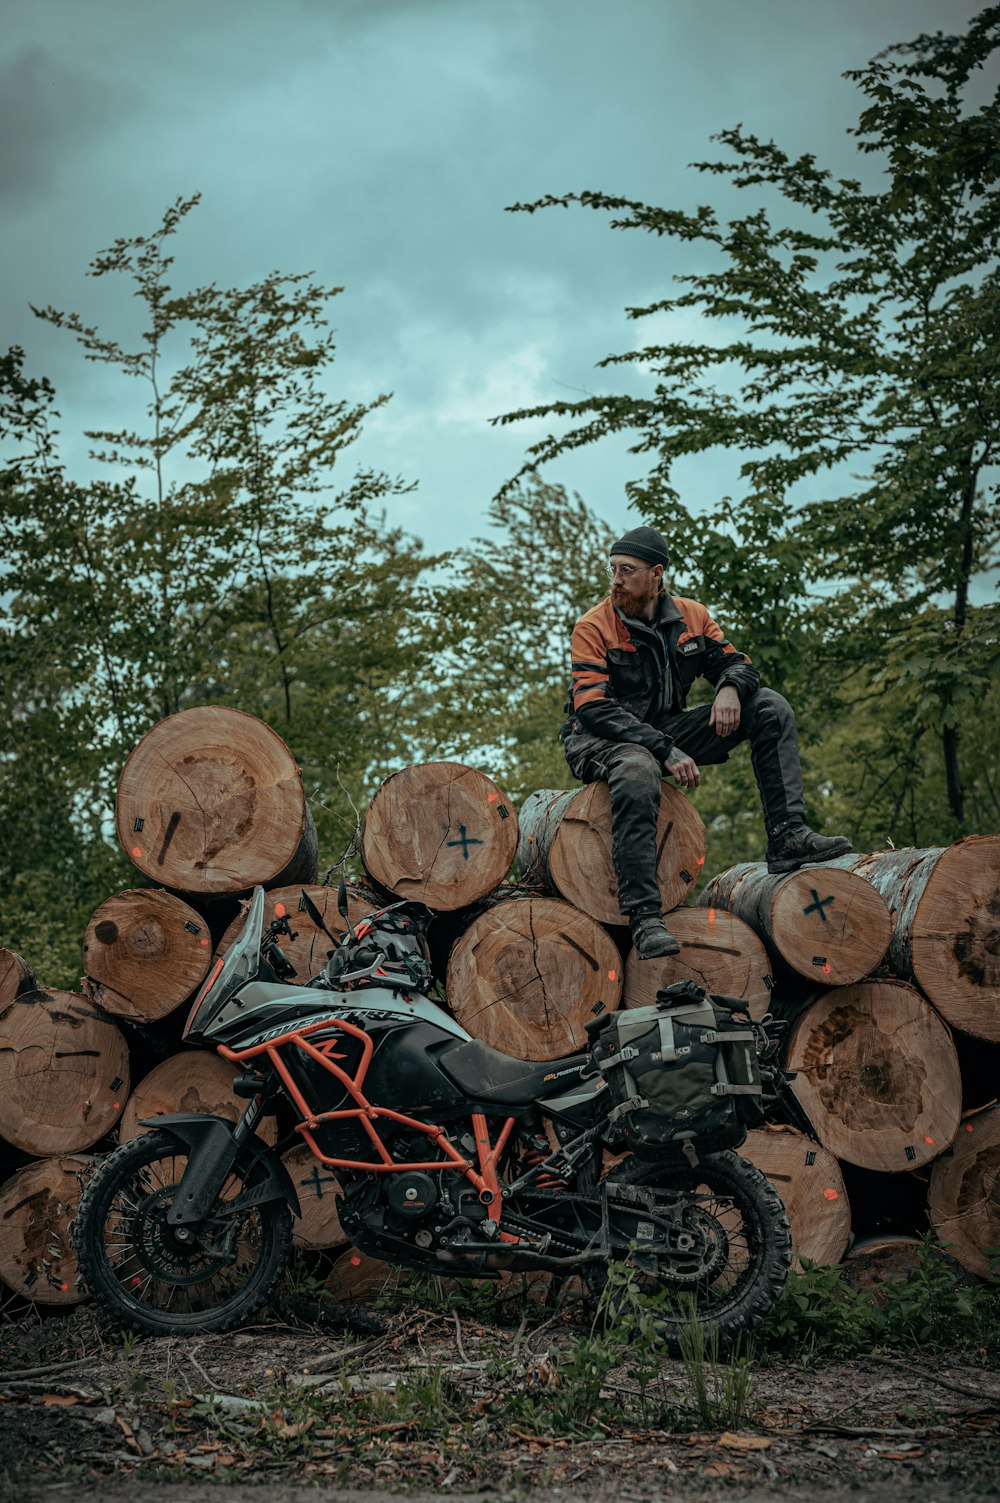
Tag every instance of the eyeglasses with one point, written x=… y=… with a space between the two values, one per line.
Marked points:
x=625 y=571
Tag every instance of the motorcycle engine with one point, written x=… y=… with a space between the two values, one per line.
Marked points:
x=412 y=1196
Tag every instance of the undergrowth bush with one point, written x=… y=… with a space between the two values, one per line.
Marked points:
x=820 y=1315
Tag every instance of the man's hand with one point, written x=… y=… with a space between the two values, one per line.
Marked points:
x=725 y=716
x=682 y=769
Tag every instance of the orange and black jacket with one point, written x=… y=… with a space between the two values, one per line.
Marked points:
x=629 y=676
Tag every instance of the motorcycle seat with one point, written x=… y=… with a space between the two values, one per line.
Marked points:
x=499 y=1080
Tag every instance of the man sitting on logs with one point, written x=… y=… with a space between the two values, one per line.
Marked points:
x=635 y=656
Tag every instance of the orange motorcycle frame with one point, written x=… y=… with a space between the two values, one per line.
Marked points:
x=483 y=1177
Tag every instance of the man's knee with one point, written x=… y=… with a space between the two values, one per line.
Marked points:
x=634 y=768
x=767 y=706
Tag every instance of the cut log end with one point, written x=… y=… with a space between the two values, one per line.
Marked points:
x=963 y=1200
x=16 y=977
x=811 y=1186
x=192 y=1081
x=310 y=949
x=824 y=923
x=718 y=951
x=439 y=833
x=877 y=1075
x=64 y=1073
x=37 y=1206
x=568 y=843
x=211 y=802
x=528 y=974
x=145 y=952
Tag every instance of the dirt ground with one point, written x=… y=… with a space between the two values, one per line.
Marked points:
x=92 y=1416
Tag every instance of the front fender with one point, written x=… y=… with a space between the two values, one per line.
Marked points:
x=212 y=1137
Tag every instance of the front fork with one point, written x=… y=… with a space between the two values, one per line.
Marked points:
x=212 y=1156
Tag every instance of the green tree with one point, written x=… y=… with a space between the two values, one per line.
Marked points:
x=217 y=555
x=869 y=319
x=507 y=617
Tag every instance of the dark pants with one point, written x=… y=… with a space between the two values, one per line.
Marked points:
x=634 y=777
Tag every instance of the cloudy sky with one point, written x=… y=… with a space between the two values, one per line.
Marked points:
x=377 y=143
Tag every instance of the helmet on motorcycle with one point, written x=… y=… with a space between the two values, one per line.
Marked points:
x=387 y=948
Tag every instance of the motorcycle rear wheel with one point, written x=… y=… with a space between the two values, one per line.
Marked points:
x=734 y=1254
x=151 y=1280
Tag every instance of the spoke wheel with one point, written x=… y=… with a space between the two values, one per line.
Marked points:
x=157 y=1278
x=713 y=1244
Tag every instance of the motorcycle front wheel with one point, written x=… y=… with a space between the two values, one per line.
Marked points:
x=147 y=1273
x=708 y=1247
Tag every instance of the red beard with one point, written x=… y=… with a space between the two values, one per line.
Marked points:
x=632 y=602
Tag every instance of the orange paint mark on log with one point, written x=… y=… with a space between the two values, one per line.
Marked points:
x=612 y=975
x=826 y=968
x=711 y=915
x=491 y=798
x=136 y=851
x=929 y=1140
x=831 y=1194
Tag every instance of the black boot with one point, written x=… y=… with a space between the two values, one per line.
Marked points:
x=795 y=845
x=651 y=936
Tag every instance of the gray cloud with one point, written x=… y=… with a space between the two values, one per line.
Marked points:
x=49 y=112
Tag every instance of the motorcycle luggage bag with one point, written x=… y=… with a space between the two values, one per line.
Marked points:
x=683 y=1075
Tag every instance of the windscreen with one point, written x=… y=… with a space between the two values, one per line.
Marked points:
x=237 y=966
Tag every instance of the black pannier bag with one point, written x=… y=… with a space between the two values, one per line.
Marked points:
x=683 y=1074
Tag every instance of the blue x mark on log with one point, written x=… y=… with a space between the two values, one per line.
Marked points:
x=465 y=841
x=818 y=904
x=315 y=1180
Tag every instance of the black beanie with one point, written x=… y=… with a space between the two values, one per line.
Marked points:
x=645 y=543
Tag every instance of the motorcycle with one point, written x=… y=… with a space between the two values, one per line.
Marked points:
x=451 y=1157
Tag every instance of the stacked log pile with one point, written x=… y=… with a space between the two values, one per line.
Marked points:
x=873 y=962
x=894 y=1055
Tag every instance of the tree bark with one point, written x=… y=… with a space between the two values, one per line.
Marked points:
x=439 y=833
x=565 y=846
x=945 y=909
x=826 y=925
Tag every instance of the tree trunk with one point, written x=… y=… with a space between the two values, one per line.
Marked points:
x=64 y=1073
x=16 y=976
x=317 y=1188
x=877 y=1075
x=192 y=1081
x=811 y=1186
x=964 y=1196
x=211 y=802
x=529 y=973
x=145 y=952
x=820 y=923
x=565 y=845
x=36 y=1207
x=718 y=950
x=945 y=908
x=309 y=950
x=440 y=833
